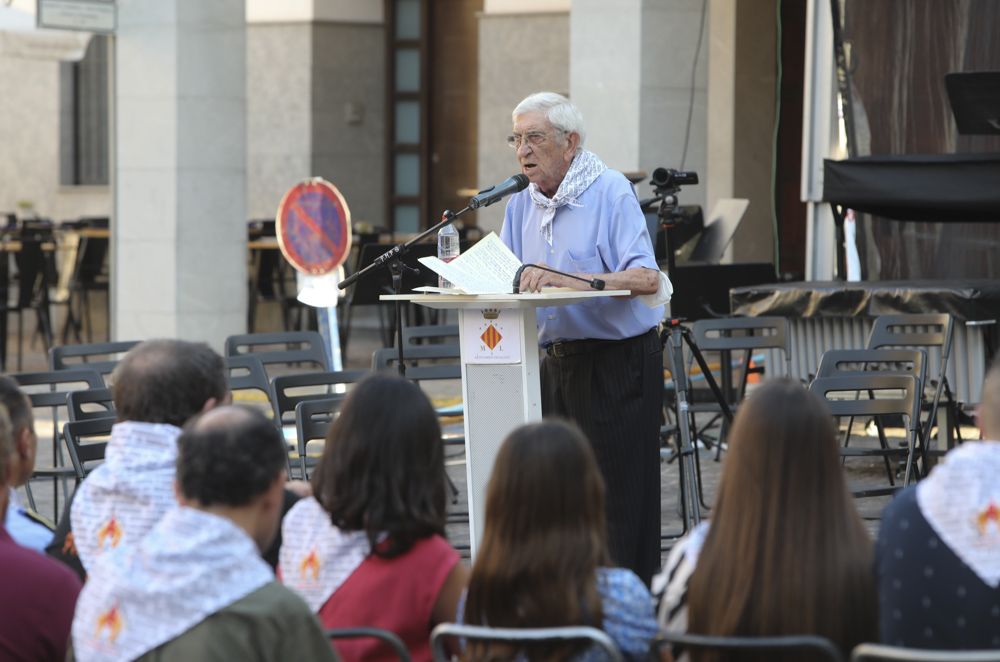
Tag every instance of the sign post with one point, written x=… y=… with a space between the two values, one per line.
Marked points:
x=313 y=225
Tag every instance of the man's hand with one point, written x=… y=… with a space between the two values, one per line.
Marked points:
x=533 y=280
x=639 y=280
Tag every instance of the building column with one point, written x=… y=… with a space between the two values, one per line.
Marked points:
x=180 y=188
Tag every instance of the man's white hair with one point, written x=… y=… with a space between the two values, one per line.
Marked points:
x=558 y=110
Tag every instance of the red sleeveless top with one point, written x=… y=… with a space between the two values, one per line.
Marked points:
x=393 y=594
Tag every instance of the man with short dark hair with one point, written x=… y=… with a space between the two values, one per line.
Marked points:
x=37 y=595
x=157 y=387
x=937 y=560
x=25 y=526
x=195 y=587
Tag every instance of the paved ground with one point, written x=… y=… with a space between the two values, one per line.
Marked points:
x=366 y=338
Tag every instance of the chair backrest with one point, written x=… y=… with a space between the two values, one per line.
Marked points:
x=750 y=333
x=849 y=362
x=880 y=653
x=281 y=348
x=412 y=335
x=388 y=638
x=816 y=647
x=87 y=442
x=90 y=404
x=387 y=358
x=102 y=357
x=521 y=636
x=893 y=394
x=287 y=391
x=312 y=421
x=246 y=373
x=49 y=389
x=896 y=331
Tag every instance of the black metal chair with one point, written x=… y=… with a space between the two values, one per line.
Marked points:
x=89 y=275
x=935 y=333
x=102 y=357
x=390 y=639
x=48 y=391
x=87 y=441
x=862 y=362
x=428 y=334
x=312 y=421
x=421 y=361
x=248 y=382
x=35 y=278
x=90 y=404
x=816 y=648
x=522 y=636
x=290 y=347
x=889 y=395
x=881 y=653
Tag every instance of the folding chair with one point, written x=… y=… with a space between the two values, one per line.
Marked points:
x=290 y=347
x=312 y=422
x=738 y=334
x=388 y=638
x=48 y=391
x=880 y=653
x=521 y=636
x=861 y=362
x=102 y=357
x=387 y=358
x=87 y=441
x=807 y=645
x=890 y=394
x=248 y=381
x=90 y=404
x=287 y=391
x=933 y=331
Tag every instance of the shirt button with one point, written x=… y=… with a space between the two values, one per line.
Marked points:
x=552 y=317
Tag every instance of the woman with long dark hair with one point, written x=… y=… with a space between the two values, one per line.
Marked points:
x=543 y=560
x=786 y=552
x=368 y=549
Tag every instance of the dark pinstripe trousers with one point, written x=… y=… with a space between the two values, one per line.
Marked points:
x=613 y=390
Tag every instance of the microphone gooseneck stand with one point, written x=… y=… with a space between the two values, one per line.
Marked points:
x=392 y=260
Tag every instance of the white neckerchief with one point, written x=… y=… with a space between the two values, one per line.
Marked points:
x=316 y=557
x=583 y=171
x=138 y=597
x=960 y=499
x=124 y=497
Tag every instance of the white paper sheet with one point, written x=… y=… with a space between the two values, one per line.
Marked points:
x=486 y=268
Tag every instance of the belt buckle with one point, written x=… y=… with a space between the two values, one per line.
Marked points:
x=556 y=349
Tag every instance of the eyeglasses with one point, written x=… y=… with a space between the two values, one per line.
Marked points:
x=533 y=138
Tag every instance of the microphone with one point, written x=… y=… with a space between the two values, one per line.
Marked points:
x=488 y=196
x=595 y=283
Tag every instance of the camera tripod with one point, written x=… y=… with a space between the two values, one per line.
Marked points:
x=673 y=337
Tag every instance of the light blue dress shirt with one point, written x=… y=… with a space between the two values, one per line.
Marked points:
x=604 y=233
x=25 y=530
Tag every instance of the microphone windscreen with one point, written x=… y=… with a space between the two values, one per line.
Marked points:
x=522 y=181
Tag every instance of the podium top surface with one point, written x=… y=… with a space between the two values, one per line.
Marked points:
x=503 y=301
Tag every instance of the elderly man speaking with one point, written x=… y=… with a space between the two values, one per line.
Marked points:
x=603 y=360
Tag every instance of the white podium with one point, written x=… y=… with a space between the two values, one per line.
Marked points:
x=500 y=380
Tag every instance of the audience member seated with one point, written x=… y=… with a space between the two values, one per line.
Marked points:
x=543 y=560
x=195 y=587
x=369 y=549
x=786 y=552
x=157 y=387
x=37 y=595
x=938 y=553
x=25 y=526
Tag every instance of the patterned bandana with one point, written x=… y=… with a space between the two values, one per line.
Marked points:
x=124 y=497
x=584 y=169
x=960 y=499
x=316 y=557
x=137 y=598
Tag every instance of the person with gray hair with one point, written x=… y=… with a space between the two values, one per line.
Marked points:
x=603 y=364
x=37 y=594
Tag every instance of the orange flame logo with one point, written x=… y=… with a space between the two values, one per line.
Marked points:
x=112 y=621
x=310 y=565
x=989 y=514
x=111 y=530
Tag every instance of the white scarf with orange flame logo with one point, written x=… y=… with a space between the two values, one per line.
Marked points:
x=316 y=557
x=960 y=499
x=138 y=597
x=124 y=497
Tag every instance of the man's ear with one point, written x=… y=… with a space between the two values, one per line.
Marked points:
x=212 y=403
x=572 y=143
x=22 y=444
x=178 y=495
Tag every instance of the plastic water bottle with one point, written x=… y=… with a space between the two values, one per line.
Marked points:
x=448 y=249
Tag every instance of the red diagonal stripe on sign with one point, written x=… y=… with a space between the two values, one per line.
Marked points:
x=304 y=217
x=491 y=336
